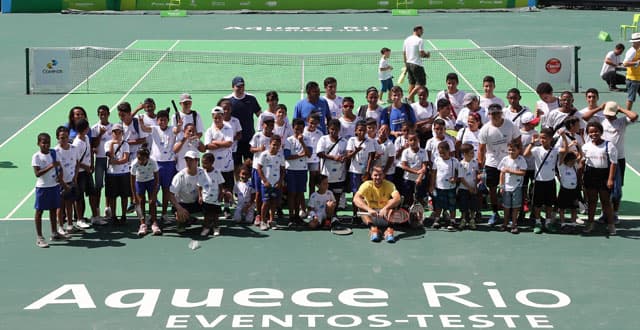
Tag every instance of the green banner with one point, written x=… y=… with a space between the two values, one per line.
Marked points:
x=85 y=4
x=327 y=4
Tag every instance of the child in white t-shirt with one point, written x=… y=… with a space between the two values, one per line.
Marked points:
x=145 y=178
x=245 y=197
x=68 y=156
x=361 y=151
x=468 y=198
x=117 y=182
x=512 y=169
x=296 y=152
x=444 y=180
x=414 y=164
x=210 y=197
x=384 y=73
x=312 y=132
x=271 y=172
x=322 y=206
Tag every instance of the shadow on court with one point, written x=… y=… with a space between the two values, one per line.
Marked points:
x=7 y=164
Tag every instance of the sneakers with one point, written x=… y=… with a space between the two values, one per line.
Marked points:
x=436 y=224
x=41 y=243
x=131 y=208
x=588 y=228
x=452 y=225
x=98 y=221
x=142 y=230
x=61 y=231
x=612 y=230
x=272 y=225
x=73 y=229
x=205 y=231
x=257 y=221
x=388 y=235
x=302 y=214
x=263 y=226
x=216 y=231
x=514 y=230
x=537 y=228
x=83 y=224
x=602 y=219
x=580 y=221
x=156 y=230
x=139 y=213
x=374 y=234
x=334 y=220
x=493 y=219
x=107 y=212
x=59 y=237
x=582 y=207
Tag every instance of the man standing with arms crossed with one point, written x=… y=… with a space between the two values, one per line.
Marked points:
x=413 y=53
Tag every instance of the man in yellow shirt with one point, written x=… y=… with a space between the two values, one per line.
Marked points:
x=378 y=197
x=632 y=63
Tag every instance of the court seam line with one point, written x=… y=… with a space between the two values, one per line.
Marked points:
x=460 y=75
x=504 y=67
x=13 y=136
x=24 y=200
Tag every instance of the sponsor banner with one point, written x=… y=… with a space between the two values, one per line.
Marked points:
x=327 y=4
x=85 y=4
x=555 y=66
x=50 y=70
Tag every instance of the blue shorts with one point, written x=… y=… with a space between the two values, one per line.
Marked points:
x=385 y=85
x=166 y=172
x=356 y=181
x=512 y=199
x=269 y=194
x=100 y=170
x=467 y=201
x=633 y=88
x=296 y=181
x=445 y=199
x=256 y=182
x=142 y=187
x=47 y=198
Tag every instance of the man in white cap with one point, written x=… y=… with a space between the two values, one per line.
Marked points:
x=187 y=116
x=471 y=103
x=632 y=63
x=184 y=190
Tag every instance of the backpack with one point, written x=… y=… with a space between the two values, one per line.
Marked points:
x=53 y=157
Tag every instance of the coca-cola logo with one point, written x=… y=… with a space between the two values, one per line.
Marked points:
x=553 y=65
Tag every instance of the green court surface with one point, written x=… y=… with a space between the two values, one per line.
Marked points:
x=108 y=278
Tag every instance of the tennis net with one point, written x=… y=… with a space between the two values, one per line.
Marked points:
x=111 y=70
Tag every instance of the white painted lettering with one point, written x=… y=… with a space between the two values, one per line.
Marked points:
x=81 y=297
x=523 y=297
x=480 y=319
x=301 y=298
x=451 y=321
x=421 y=318
x=508 y=320
x=242 y=321
x=539 y=321
x=181 y=297
x=350 y=297
x=173 y=320
x=333 y=321
x=433 y=295
x=379 y=321
x=206 y=324
x=146 y=305
x=311 y=319
x=286 y=323
x=246 y=297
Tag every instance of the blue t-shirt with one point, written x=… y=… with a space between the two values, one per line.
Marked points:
x=73 y=133
x=244 y=109
x=304 y=108
x=396 y=117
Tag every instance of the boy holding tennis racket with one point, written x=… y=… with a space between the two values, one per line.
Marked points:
x=378 y=197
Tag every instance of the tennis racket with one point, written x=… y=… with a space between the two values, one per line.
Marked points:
x=403 y=74
x=416 y=211
x=342 y=227
x=175 y=107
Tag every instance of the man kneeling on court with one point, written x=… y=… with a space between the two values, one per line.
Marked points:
x=377 y=197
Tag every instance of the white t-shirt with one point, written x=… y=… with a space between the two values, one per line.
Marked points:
x=546 y=171
x=527 y=138
x=359 y=161
x=84 y=151
x=599 y=116
x=497 y=140
x=568 y=176
x=162 y=143
x=185 y=186
x=119 y=168
x=334 y=170
x=431 y=147
x=546 y=108
x=375 y=113
x=456 y=98
x=414 y=160
x=399 y=144
x=313 y=143
x=129 y=132
x=68 y=161
x=244 y=193
x=318 y=202
x=387 y=150
x=335 y=106
x=223 y=156
x=386 y=74
x=515 y=117
x=271 y=165
x=235 y=125
x=614 y=132
x=41 y=161
x=466 y=135
x=486 y=102
x=210 y=183
x=259 y=139
x=412 y=47
x=283 y=131
x=513 y=181
x=446 y=169
x=469 y=172
x=95 y=132
x=463 y=116
x=596 y=157
x=295 y=147
x=629 y=55
x=188 y=119
x=347 y=128
x=423 y=113
x=189 y=145
x=611 y=56
x=144 y=173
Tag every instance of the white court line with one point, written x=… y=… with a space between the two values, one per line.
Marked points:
x=62 y=98
x=504 y=67
x=460 y=75
x=632 y=169
x=121 y=99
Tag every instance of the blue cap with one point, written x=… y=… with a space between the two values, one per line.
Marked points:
x=237 y=81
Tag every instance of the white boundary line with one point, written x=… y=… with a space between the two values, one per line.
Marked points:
x=62 y=98
x=24 y=200
x=504 y=67
x=460 y=75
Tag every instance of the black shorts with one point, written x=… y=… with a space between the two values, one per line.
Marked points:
x=242 y=154
x=493 y=176
x=210 y=209
x=544 y=193
x=229 y=180
x=568 y=198
x=337 y=188
x=192 y=207
x=416 y=74
x=85 y=185
x=622 y=162
x=596 y=178
x=467 y=201
x=118 y=186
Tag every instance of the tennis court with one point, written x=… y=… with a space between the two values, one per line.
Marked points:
x=109 y=279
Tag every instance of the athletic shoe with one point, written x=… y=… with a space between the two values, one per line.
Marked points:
x=62 y=232
x=582 y=207
x=98 y=221
x=142 y=230
x=59 y=237
x=388 y=235
x=493 y=219
x=375 y=235
x=131 y=208
x=263 y=226
x=334 y=220
x=436 y=225
x=537 y=228
x=602 y=219
x=227 y=213
x=580 y=221
x=107 y=212
x=156 y=230
x=83 y=224
x=514 y=230
x=551 y=226
x=257 y=221
x=272 y=224
x=41 y=243
x=216 y=231
x=73 y=230
x=302 y=214
x=205 y=231
x=612 y=230
x=139 y=213
x=588 y=228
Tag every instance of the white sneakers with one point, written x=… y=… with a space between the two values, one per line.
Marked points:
x=83 y=224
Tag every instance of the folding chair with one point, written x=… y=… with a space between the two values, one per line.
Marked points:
x=633 y=27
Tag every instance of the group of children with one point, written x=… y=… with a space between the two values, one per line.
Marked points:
x=431 y=154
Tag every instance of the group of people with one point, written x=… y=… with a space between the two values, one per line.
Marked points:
x=448 y=153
